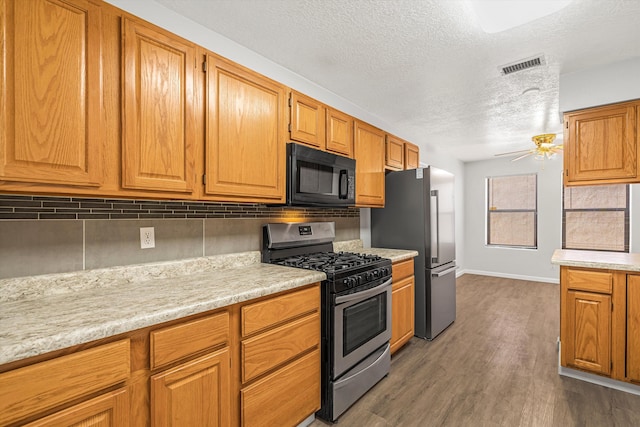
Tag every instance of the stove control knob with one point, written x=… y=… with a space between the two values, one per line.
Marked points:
x=376 y=274
x=385 y=271
x=368 y=276
x=352 y=282
x=345 y=282
x=360 y=279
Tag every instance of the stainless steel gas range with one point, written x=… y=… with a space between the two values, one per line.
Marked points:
x=356 y=309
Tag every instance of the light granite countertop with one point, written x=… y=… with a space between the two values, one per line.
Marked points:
x=597 y=259
x=44 y=313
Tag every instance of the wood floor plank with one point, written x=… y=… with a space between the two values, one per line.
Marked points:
x=497 y=365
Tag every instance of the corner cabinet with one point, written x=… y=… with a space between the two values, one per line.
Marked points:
x=369 y=149
x=402 y=304
x=158 y=121
x=51 y=127
x=245 y=120
x=601 y=145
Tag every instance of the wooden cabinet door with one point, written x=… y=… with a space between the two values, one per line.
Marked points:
x=394 y=153
x=339 y=133
x=108 y=410
x=402 y=313
x=196 y=393
x=633 y=327
x=587 y=341
x=601 y=145
x=411 y=156
x=50 y=104
x=369 y=151
x=245 y=134
x=158 y=122
x=307 y=120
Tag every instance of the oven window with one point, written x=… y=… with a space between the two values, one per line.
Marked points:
x=316 y=179
x=363 y=321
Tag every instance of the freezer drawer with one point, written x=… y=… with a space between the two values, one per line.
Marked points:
x=441 y=299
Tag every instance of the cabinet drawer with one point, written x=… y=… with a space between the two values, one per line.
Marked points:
x=265 y=314
x=402 y=269
x=176 y=342
x=264 y=352
x=36 y=388
x=286 y=397
x=591 y=281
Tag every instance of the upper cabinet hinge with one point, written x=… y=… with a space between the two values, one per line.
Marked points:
x=289 y=127
x=204 y=65
x=204 y=179
x=567 y=125
x=290 y=101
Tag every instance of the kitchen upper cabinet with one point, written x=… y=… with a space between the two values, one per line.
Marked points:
x=50 y=108
x=369 y=149
x=246 y=116
x=307 y=120
x=411 y=156
x=601 y=145
x=339 y=132
x=314 y=124
x=394 y=153
x=402 y=304
x=633 y=327
x=158 y=121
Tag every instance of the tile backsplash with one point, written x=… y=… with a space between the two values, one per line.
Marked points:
x=42 y=234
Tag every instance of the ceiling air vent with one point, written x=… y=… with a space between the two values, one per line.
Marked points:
x=523 y=64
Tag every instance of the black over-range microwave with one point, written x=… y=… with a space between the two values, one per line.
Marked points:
x=318 y=178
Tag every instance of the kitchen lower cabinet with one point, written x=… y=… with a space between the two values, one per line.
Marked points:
x=402 y=304
x=195 y=393
x=280 y=359
x=108 y=410
x=593 y=321
x=38 y=389
x=633 y=327
x=369 y=150
x=50 y=110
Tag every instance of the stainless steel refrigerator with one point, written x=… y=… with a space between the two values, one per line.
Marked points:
x=419 y=215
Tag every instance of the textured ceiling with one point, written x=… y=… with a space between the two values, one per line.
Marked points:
x=425 y=65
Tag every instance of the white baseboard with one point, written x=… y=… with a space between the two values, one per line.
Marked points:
x=509 y=276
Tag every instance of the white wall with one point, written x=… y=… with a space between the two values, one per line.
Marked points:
x=166 y=18
x=616 y=82
x=528 y=264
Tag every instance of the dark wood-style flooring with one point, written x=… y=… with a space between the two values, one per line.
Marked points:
x=497 y=365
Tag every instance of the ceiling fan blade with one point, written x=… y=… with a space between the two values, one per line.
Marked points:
x=521 y=157
x=511 y=153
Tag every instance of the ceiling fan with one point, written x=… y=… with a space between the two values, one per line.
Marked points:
x=544 y=149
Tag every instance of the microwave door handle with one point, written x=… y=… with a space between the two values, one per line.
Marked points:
x=343 y=184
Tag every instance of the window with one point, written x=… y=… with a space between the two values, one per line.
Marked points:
x=596 y=218
x=512 y=211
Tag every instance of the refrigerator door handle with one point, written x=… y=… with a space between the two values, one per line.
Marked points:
x=435 y=227
x=445 y=272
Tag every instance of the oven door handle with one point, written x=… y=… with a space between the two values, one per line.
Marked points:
x=364 y=294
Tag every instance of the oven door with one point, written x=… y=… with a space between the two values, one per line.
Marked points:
x=318 y=178
x=362 y=324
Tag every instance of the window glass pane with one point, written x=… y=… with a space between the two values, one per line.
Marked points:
x=596 y=197
x=512 y=228
x=599 y=230
x=512 y=192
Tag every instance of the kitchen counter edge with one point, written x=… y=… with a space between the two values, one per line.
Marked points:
x=597 y=259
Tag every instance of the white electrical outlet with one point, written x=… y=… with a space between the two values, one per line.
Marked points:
x=147 y=238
